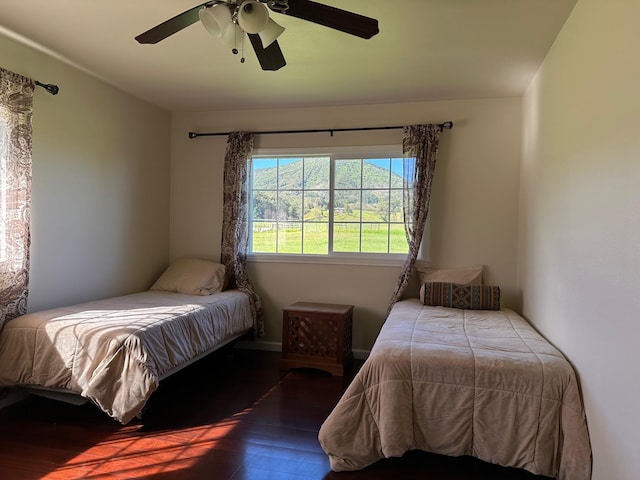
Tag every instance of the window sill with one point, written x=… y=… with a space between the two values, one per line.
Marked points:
x=391 y=260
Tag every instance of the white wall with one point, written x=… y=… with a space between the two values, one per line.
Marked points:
x=579 y=247
x=100 y=193
x=474 y=198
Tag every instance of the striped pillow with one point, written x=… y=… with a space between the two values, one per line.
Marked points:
x=454 y=295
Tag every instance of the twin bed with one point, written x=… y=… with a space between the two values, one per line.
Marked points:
x=115 y=352
x=450 y=373
x=455 y=379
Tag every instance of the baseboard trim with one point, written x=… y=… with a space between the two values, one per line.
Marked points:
x=259 y=345
x=361 y=354
x=277 y=347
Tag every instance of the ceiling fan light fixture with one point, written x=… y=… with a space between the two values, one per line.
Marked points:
x=270 y=33
x=253 y=16
x=229 y=20
x=216 y=19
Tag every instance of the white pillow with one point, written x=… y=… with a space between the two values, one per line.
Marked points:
x=462 y=275
x=192 y=276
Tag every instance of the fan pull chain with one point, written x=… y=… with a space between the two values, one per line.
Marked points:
x=234 y=50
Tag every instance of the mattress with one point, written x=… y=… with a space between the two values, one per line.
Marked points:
x=114 y=352
x=462 y=382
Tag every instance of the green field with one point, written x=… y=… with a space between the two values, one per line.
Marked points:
x=375 y=238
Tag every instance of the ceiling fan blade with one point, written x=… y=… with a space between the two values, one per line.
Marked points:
x=173 y=25
x=270 y=58
x=342 y=20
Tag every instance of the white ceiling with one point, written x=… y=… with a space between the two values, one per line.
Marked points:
x=426 y=50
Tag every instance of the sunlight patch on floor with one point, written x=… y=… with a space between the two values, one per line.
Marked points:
x=148 y=454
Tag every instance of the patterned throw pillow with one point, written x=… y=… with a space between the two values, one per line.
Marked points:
x=471 y=275
x=454 y=295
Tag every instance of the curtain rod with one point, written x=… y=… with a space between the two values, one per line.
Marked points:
x=444 y=125
x=49 y=87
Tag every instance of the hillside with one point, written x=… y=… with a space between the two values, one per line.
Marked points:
x=316 y=174
x=375 y=203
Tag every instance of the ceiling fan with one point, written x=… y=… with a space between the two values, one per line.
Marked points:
x=229 y=20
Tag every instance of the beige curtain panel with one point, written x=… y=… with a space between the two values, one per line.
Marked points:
x=420 y=149
x=16 y=106
x=235 y=228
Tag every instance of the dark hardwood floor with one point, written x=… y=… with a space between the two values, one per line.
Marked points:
x=233 y=415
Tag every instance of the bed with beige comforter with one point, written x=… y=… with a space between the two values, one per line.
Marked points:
x=114 y=352
x=462 y=382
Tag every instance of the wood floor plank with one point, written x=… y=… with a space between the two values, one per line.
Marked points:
x=231 y=416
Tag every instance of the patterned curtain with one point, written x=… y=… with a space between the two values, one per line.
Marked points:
x=420 y=149
x=235 y=228
x=16 y=103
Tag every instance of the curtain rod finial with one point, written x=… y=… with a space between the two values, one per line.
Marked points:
x=446 y=125
x=49 y=87
x=193 y=134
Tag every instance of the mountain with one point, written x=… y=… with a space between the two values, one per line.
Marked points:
x=316 y=175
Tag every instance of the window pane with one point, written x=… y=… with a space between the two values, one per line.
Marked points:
x=264 y=205
x=346 y=237
x=396 y=172
x=316 y=238
x=346 y=205
x=316 y=173
x=395 y=208
x=290 y=205
x=264 y=173
x=348 y=173
x=316 y=206
x=263 y=237
x=290 y=173
x=375 y=205
x=290 y=237
x=376 y=173
x=397 y=239
x=375 y=238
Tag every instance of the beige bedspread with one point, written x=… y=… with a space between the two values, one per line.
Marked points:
x=115 y=351
x=462 y=382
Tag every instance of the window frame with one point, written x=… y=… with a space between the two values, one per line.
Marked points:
x=338 y=258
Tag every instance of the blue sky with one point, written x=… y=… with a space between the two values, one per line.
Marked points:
x=269 y=162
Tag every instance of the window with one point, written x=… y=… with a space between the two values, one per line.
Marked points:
x=327 y=204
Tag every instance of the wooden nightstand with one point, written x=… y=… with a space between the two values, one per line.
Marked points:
x=317 y=335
